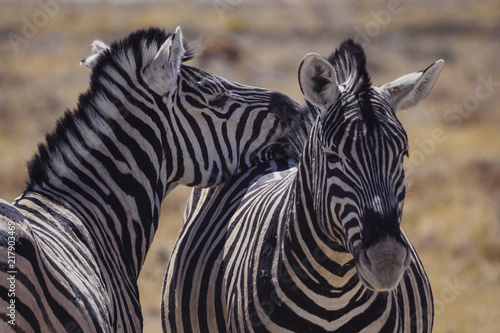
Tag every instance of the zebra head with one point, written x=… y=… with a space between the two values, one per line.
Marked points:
x=209 y=128
x=359 y=176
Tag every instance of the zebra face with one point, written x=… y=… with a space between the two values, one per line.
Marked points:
x=365 y=178
x=210 y=128
x=238 y=125
x=359 y=154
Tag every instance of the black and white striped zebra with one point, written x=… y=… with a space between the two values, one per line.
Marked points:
x=317 y=247
x=75 y=241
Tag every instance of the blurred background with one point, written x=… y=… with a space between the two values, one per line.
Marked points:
x=452 y=211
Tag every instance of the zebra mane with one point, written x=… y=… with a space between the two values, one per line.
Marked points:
x=349 y=62
x=143 y=45
x=299 y=130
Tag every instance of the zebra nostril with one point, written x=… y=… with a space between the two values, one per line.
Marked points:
x=408 y=257
x=364 y=259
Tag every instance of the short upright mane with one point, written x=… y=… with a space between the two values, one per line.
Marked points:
x=142 y=45
x=349 y=62
x=141 y=42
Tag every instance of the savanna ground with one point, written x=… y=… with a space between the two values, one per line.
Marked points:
x=452 y=212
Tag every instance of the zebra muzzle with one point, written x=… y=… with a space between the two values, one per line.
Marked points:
x=382 y=265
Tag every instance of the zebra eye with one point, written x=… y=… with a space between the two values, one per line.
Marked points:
x=333 y=158
x=219 y=101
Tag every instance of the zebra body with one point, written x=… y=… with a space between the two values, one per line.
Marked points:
x=82 y=229
x=316 y=247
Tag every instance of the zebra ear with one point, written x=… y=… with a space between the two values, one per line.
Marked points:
x=409 y=90
x=169 y=58
x=318 y=80
x=98 y=47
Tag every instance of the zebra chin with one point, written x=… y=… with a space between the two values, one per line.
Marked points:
x=381 y=266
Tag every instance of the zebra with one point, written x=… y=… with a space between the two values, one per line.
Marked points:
x=317 y=246
x=73 y=243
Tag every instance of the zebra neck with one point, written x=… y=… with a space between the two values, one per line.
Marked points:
x=311 y=256
x=113 y=173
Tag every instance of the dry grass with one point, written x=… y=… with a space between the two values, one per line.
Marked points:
x=452 y=213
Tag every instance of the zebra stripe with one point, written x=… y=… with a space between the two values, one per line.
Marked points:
x=316 y=247
x=81 y=230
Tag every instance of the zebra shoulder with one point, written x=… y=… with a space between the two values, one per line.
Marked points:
x=10 y=212
x=12 y=223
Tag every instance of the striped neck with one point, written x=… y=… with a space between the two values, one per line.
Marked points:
x=310 y=256
x=113 y=172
